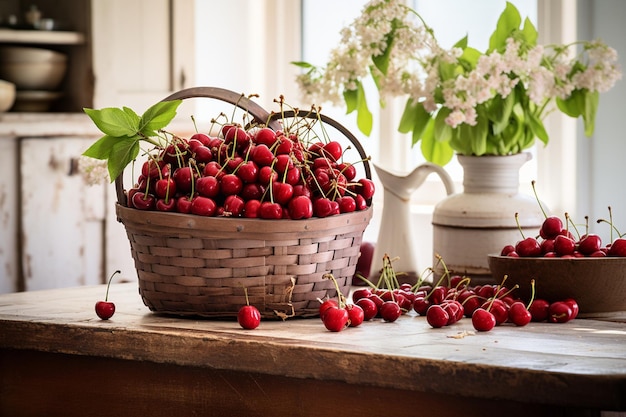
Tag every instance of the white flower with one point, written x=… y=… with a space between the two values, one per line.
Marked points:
x=93 y=171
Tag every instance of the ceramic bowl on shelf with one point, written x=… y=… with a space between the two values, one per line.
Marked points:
x=32 y=68
x=34 y=101
x=597 y=284
x=7 y=95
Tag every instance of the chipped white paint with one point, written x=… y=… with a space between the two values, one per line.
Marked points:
x=62 y=218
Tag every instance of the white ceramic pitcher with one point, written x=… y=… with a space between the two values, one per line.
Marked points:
x=397 y=235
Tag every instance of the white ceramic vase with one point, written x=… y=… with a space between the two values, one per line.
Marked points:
x=397 y=235
x=479 y=221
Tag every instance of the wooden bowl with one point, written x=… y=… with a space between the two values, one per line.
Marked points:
x=597 y=284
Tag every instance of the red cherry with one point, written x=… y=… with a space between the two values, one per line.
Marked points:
x=547 y=246
x=183 y=177
x=347 y=204
x=528 y=247
x=262 y=155
x=369 y=308
x=208 y=186
x=348 y=170
x=265 y=136
x=471 y=304
x=364 y=263
x=105 y=309
x=335 y=319
x=421 y=305
x=300 y=207
x=390 y=311
x=519 y=314
x=152 y=168
x=618 y=247
x=282 y=192
x=249 y=317
x=324 y=207
x=165 y=187
x=269 y=210
x=248 y=172
x=251 y=209
x=551 y=227
x=564 y=245
x=454 y=309
x=361 y=293
x=202 y=154
x=499 y=309
x=213 y=169
x=203 y=138
x=252 y=191
x=573 y=305
x=366 y=188
x=539 y=309
x=506 y=250
x=236 y=135
x=234 y=206
x=166 y=205
x=559 y=312
x=267 y=175
x=143 y=201
x=327 y=304
x=589 y=244
x=203 y=206
x=333 y=150
x=436 y=316
x=483 y=320
x=356 y=315
x=183 y=204
x=361 y=203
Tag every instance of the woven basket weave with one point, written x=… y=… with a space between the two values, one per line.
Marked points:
x=192 y=265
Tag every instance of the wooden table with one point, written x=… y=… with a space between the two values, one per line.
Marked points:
x=58 y=358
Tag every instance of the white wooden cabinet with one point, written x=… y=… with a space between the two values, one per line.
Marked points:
x=62 y=218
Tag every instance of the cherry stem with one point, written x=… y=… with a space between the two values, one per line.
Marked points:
x=388 y=276
x=538 y=201
x=340 y=296
x=519 y=227
x=569 y=220
x=446 y=273
x=193 y=120
x=465 y=281
x=245 y=291
x=496 y=294
x=422 y=278
x=532 y=293
x=106 y=297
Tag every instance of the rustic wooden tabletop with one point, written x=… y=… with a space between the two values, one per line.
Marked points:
x=581 y=363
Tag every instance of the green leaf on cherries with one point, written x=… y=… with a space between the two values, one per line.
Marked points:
x=123 y=131
x=115 y=122
x=157 y=117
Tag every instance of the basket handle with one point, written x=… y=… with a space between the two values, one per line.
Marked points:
x=259 y=113
x=325 y=119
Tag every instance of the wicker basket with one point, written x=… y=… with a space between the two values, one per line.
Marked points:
x=192 y=265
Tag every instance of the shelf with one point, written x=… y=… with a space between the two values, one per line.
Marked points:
x=41 y=37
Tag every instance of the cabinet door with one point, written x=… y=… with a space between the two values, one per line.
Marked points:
x=62 y=219
x=143 y=50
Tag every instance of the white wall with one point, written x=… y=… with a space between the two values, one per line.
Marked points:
x=602 y=160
